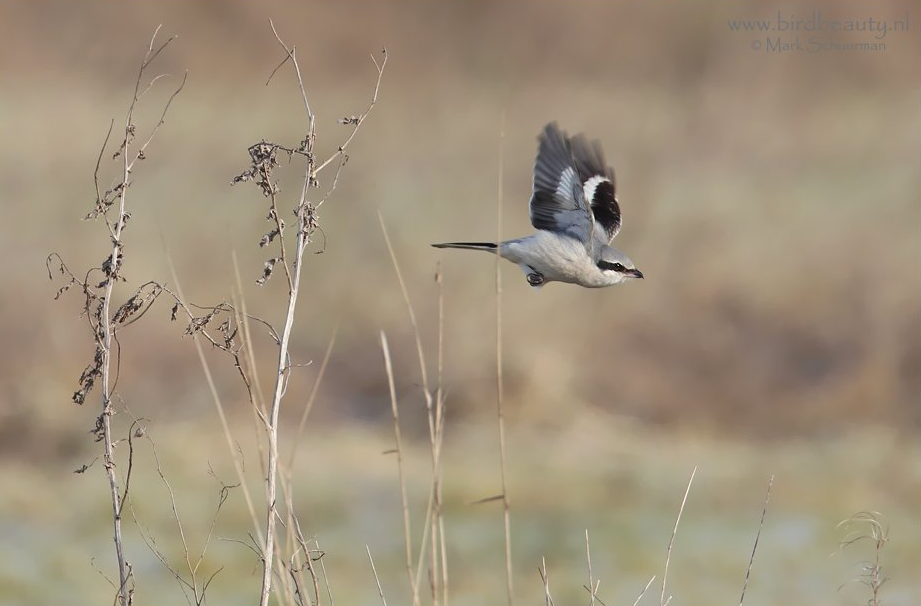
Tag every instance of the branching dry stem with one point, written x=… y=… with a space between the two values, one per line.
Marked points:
x=870 y=526
x=306 y=224
x=98 y=305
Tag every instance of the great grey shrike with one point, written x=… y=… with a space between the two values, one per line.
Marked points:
x=575 y=211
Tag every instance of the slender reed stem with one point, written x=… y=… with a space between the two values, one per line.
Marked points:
x=751 y=560
x=499 y=387
x=407 y=537
x=671 y=541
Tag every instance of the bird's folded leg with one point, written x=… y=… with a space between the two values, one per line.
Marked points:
x=535 y=279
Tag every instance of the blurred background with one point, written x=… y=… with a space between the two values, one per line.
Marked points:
x=770 y=196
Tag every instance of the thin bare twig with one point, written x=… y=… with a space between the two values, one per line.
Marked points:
x=380 y=589
x=219 y=408
x=255 y=390
x=592 y=588
x=102 y=150
x=645 y=589
x=300 y=81
x=198 y=589
x=545 y=578
x=342 y=161
x=751 y=561
x=409 y=309
x=139 y=155
x=308 y=561
x=312 y=397
x=329 y=591
x=671 y=541
x=360 y=120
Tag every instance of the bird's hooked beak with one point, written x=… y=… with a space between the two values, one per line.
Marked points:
x=635 y=273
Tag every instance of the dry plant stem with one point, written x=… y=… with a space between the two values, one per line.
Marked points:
x=591 y=581
x=407 y=537
x=105 y=332
x=412 y=315
x=426 y=528
x=440 y=423
x=380 y=590
x=198 y=589
x=304 y=217
x=310 y=399
x=219 y=408
x=295 y=537
x=280 y=383
x=295 y=530
x=294 y=534
x=671 y=541
x=361 y=118
x=435 y=411
x=294 y=280
x=329 y=591
x=444 y=559
x=877 y=532
x=499 y=387
x=645 y=589
x=436 y=519
x=545 y=578
x=751 y=561
x=290 y=575
x=255 y=390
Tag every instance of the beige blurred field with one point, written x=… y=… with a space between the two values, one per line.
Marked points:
x=770 y=198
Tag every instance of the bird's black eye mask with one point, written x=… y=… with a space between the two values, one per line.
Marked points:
x=613 y=266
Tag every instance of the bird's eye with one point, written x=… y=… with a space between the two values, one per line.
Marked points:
x=611 y=266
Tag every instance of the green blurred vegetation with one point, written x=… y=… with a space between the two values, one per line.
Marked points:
x=770 y=199
x=620 y=481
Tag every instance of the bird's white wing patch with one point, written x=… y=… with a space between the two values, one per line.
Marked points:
x=589 y=188
x=598 y=188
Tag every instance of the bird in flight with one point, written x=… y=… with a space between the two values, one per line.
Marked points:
x=575 y=212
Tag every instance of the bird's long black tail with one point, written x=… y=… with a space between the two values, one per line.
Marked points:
x=487 y=246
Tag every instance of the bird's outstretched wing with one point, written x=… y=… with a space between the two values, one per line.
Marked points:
x=573 y=189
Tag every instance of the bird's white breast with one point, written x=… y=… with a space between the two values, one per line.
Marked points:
x=558 y=258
